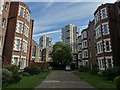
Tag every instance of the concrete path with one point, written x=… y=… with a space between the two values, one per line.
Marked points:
x=63 y=79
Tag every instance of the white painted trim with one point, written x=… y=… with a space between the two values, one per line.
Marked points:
x=105 y=12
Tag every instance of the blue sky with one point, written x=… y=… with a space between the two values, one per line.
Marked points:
x=51 y=17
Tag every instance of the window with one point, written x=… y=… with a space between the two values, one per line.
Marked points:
x=97 y=17
x=84 y=44
x=21 y=11
x=84 y=35
x=22 y=62
x=84 y=54
x=26 y=30
x=98 y=32
x=103 y=13
x=109 y=61
x=24 y=46
x=105 y=28
x=3 y=22
x=15 y=60
x=17 y=44
x=19 y=27
x=27 y=15
x=101 y=63
x=6 y=5
x=99 y=47
x=107 y=45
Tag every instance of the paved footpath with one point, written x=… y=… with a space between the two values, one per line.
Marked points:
x=63 y=79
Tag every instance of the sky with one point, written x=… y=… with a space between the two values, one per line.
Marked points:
x=50 y=16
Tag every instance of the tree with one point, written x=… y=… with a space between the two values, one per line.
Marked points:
x=61 y=53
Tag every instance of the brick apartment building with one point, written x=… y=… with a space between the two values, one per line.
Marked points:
x=18 y=36
x=107 y=36
x=3 y=25
x=84 y=40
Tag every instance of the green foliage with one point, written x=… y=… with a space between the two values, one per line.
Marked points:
x=117 y=82
x=6 y=77
x=61 y=53
x=13 y=68
x=83 y=69
x=111 y=73
x=16 y=77
x=31 y=70
x=97 y=81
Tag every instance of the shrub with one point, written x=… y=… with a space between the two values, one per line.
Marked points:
x=92 y=72
x=15 y=74
x=117 y=82
x=6 y=77
x=45 y=70
x=111 y=73
x=83 y=69
x=32 y=70
x=13 y=68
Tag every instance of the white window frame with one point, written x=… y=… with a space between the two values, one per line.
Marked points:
x=100 y=63
x=3 y=22
x=15 y=44
x=20 y=9
x=109 y=45
x=13 y=61
x=97 y=17
x=105 y=13
x=109 y=57
x=27 y=15
x=26 y=30
x=25 y=62
x=24 y=48
x=106 y=23
x=99 y=48
x=98 y=32
x=18 y=21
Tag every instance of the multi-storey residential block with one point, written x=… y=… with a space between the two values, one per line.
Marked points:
x=84 y=39
x=4 y=12
x=92 y=46
x=18 y=37
x=45 y=43
x=69 y=36
x=36 y=53
x=79 y=51
x=107 y=33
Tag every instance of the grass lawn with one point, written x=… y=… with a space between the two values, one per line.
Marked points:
x=95 y=80
x=28 y=82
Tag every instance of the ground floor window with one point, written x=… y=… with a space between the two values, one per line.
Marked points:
x=15 y=60
x=109 y=62
x=22 y=62
x=101 y=63
x=105 y=62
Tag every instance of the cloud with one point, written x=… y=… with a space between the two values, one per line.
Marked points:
x=46 y=33
x=50 y=16
x=63 y=13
